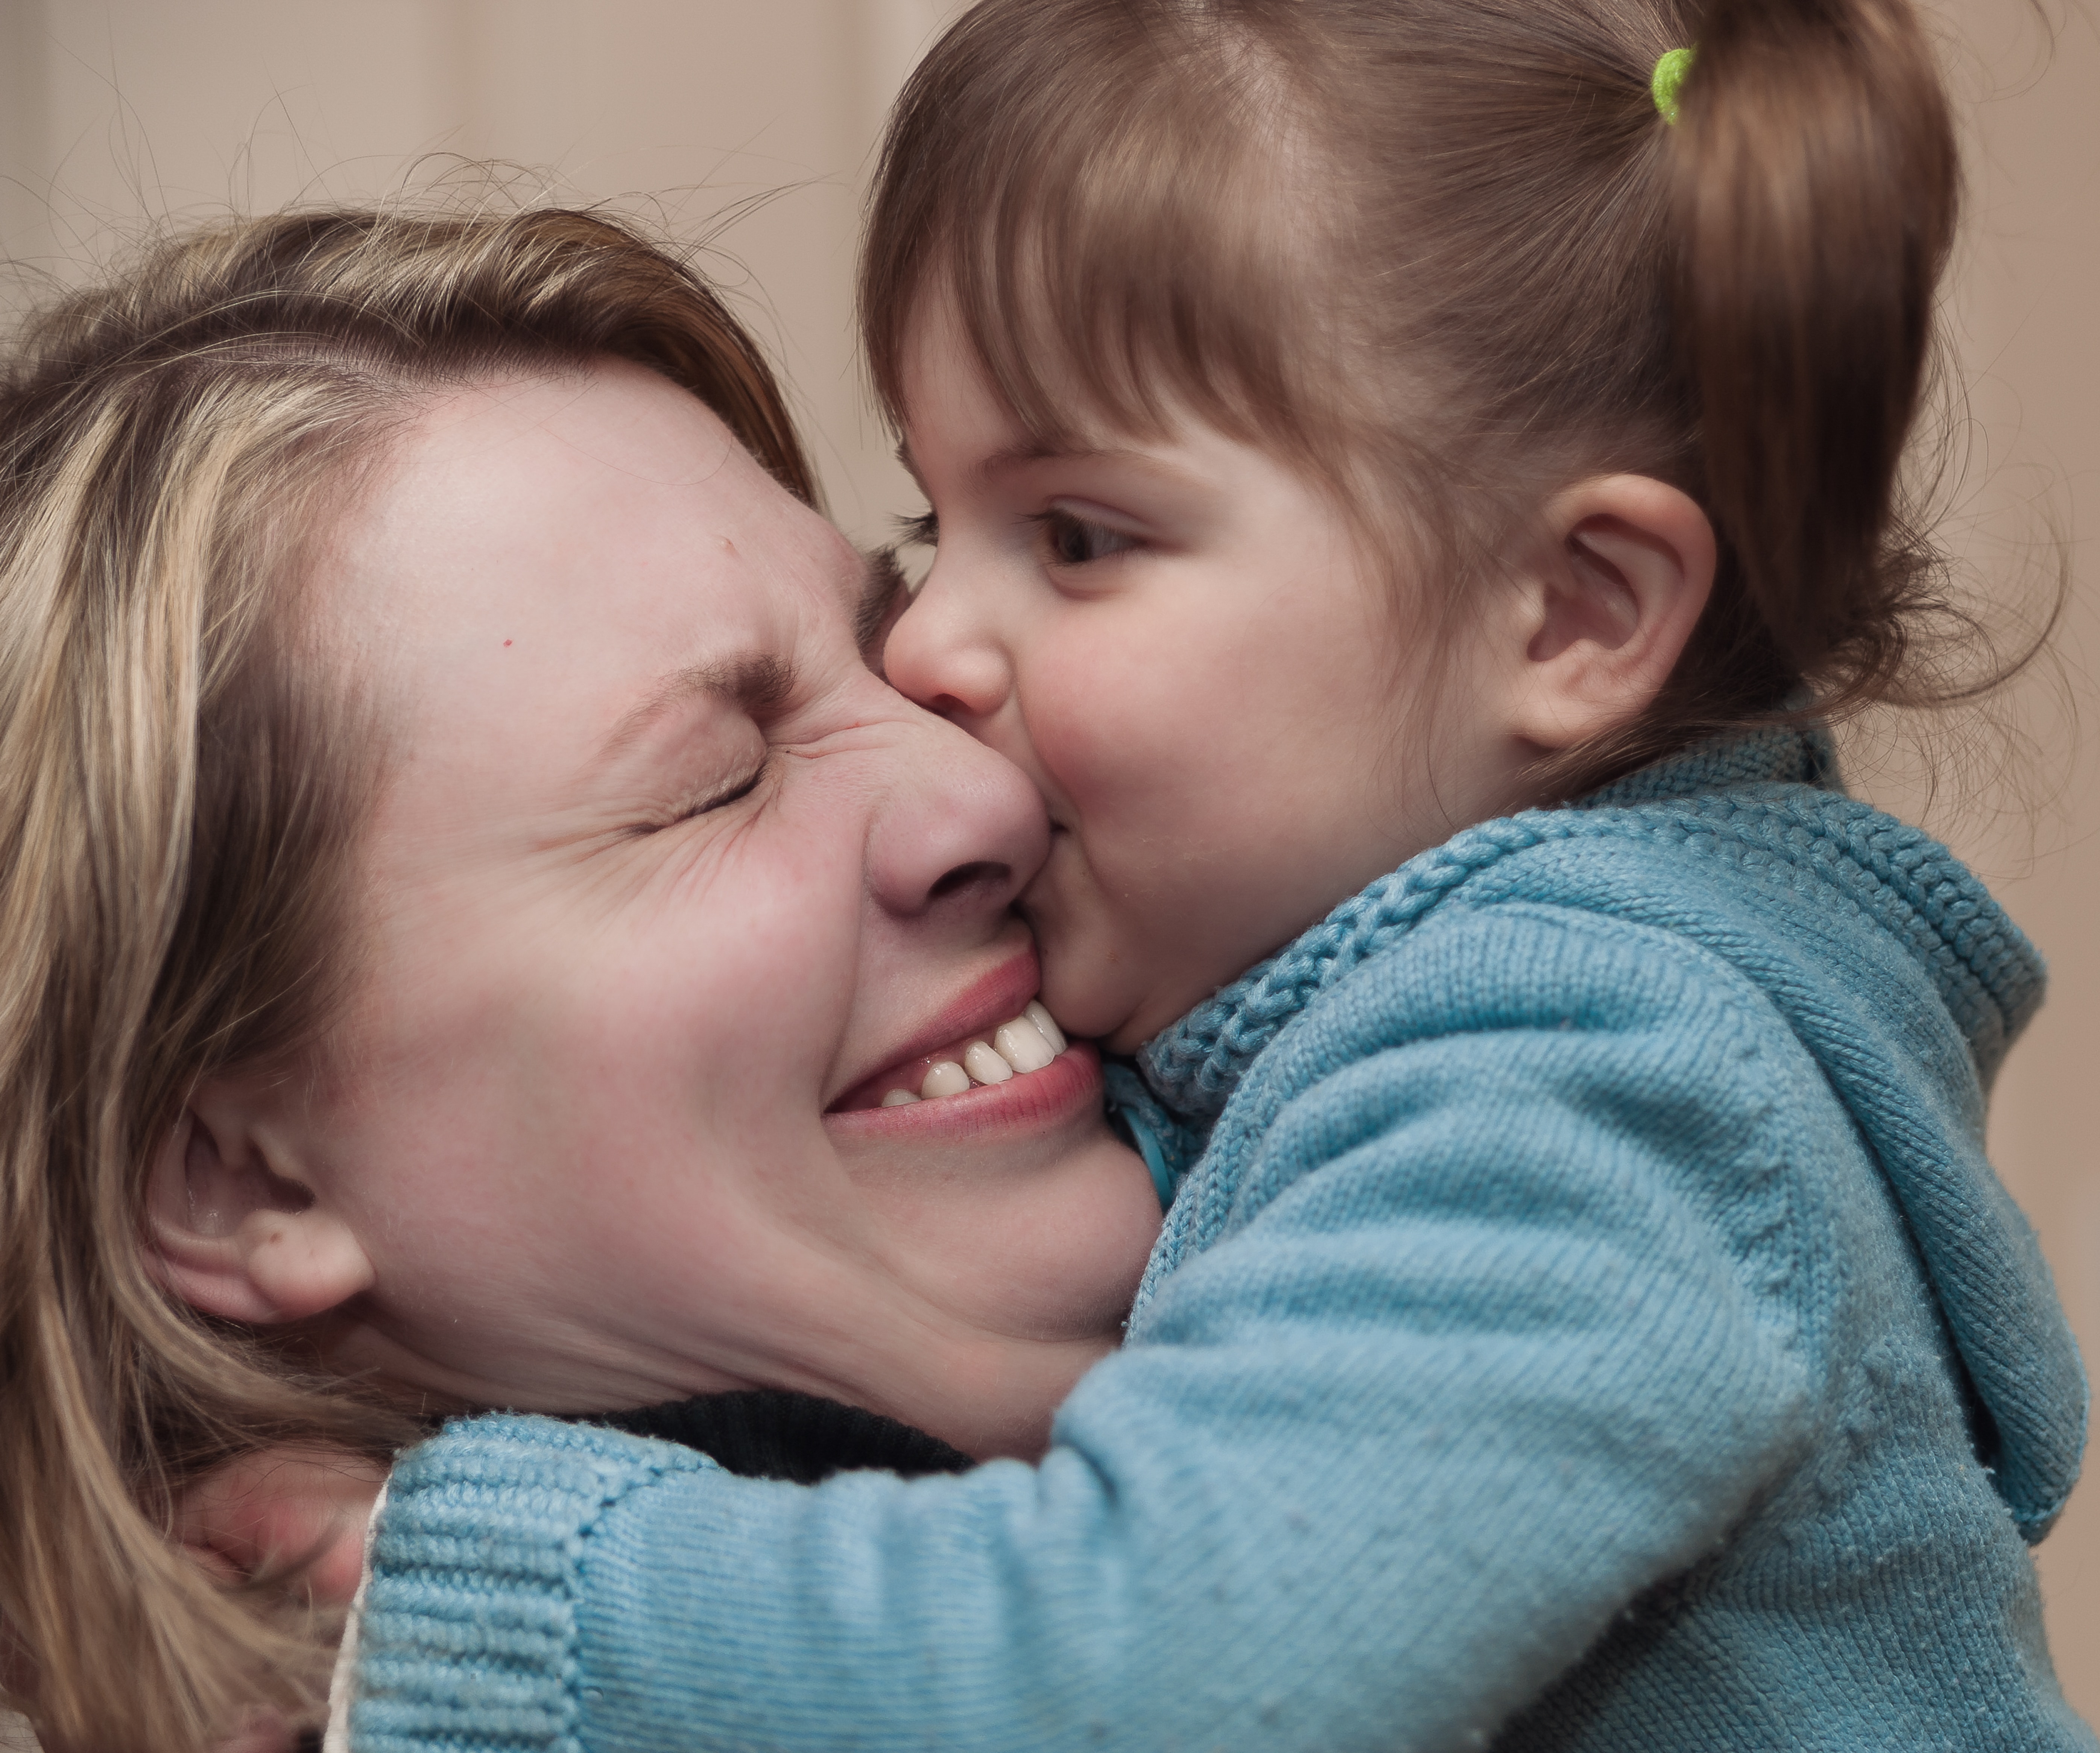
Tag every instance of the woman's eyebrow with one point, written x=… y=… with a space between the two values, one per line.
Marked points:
x=752 y=684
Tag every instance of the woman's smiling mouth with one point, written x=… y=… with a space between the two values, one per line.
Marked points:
x=971 y=1067
x=1068 y=1088
x=1027 y=1044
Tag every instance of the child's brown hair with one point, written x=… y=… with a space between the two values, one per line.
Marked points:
x=1451 y=256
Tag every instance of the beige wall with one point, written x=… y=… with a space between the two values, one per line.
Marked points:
x=118 y=113
x=2024 y=315
x=113 y=112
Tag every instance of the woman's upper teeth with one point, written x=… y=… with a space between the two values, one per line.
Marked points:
x=1047 y=1023
x=1030 y=1042
x=1022 y=1045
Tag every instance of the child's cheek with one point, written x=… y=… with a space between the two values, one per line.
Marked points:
x=1102 y=727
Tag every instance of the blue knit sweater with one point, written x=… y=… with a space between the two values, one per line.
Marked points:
x=1592 y=1324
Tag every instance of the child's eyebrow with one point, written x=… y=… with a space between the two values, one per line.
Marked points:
x=1016 y=454
x=1162 y=473
x=1020 y=455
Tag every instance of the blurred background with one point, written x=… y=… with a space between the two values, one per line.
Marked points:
x=749 y=125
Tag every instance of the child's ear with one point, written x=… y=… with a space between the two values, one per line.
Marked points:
x=1619 y=582
x=233 y=1238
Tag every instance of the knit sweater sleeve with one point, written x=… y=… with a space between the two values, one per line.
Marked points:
x=1488 y=1316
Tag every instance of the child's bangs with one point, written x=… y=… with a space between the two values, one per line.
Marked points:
x=1128 y=256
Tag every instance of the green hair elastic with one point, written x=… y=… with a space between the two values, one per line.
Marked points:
x=1667 y=80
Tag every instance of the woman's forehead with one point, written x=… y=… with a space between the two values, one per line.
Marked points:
x=557 y=576
x=607 y=519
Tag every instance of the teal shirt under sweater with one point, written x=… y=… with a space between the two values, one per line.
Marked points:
x=1592 y=1324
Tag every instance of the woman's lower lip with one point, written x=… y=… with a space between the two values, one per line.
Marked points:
x=1068 y=1085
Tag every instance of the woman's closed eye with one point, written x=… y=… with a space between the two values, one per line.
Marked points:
x=729 y=794
x=1070 y=540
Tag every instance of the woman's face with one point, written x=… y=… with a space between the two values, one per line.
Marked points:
x=666 y=889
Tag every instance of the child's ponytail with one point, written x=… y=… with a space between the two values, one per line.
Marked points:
x=1815 y=190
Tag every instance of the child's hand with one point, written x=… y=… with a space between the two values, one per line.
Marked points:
x=266 y=1511
x=289 y=1508
x=264 y=1732
x=299 y=1509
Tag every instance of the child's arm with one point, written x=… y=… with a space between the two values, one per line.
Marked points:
x=1498 y=1327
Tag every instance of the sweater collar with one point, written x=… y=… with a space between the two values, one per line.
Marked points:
x=1194 y=1065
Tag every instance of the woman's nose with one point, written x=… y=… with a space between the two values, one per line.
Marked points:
x=963 y=830
x=942 y=654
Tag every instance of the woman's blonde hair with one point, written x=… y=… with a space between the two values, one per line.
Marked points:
x=181 y=784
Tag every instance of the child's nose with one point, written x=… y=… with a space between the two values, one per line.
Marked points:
x=945 y=658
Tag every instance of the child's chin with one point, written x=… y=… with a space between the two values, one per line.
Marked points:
x=1090 y=980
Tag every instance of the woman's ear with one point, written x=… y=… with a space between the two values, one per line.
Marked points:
x=234 y=1238
x=1619 y=581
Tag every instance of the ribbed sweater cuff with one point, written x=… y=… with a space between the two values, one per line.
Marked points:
x=469 y=1637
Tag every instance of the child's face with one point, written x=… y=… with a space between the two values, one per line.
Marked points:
x=1183 y=643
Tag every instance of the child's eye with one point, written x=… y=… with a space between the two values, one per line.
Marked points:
x=922 y=532
x=1074 y=542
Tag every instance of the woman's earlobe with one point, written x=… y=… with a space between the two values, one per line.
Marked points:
x=234 y=1239
x=1621 y=584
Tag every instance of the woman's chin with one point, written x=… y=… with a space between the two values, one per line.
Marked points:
x=994 y=1237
